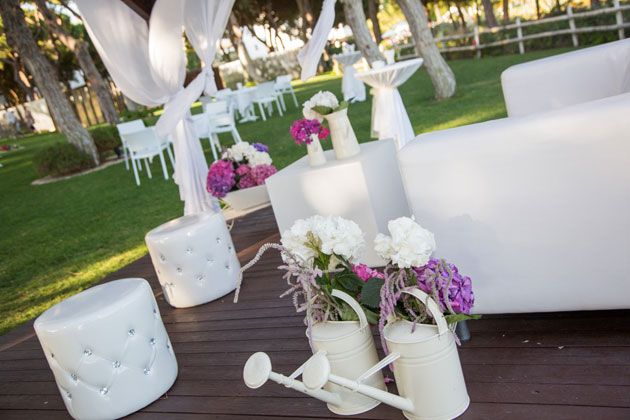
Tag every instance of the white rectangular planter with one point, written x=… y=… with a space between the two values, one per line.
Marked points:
x=247 y=198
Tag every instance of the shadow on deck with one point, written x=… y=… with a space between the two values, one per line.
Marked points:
x=527 y=366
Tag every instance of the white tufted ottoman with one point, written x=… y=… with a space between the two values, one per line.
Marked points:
x=108 y=349
x=194 y=259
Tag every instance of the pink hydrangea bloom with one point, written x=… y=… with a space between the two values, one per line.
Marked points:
x=323 y=133
x=261 y=172
x=246 y=182
x=243 y=169
x=220 y=178
x=366 y=273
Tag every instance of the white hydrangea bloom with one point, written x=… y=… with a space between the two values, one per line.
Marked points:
x=410 y=245
x=335 y=234
x=240 y=151
x=319 y=99
x=258 y=158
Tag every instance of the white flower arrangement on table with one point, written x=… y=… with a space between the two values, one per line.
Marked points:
x=322 y=103
x=410 y=245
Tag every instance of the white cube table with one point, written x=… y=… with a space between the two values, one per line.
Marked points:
x=366 y=188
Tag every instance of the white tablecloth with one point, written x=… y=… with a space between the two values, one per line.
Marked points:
x=389 y=116
x=350 y=85
x=366 y=188
x=244 y=100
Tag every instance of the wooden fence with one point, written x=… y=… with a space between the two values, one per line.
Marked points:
x=477 y=46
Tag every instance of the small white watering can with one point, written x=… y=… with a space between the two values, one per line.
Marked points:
x=426 y=366
x=348 y=348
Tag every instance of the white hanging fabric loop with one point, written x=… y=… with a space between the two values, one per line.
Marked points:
x=310 y=54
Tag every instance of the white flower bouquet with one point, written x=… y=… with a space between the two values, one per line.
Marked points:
x=322 y=103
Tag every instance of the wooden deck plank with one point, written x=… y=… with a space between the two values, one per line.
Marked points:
x=517 y=366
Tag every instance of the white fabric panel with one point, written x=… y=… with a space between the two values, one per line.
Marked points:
x=567 y=79
x=310 y=54
x=149 y=65
x=389 y=116
x=534 y=209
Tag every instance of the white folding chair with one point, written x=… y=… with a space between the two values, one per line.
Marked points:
x=218 y=118
x=283 y=85
x=146 y=145
x=126 y=128
x=265 y=96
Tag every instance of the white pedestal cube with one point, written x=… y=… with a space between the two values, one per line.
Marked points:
x=194 y=259
x=108 y=350
x=366 y=188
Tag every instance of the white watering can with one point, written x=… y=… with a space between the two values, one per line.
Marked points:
x=426 y=366
x=349 y=351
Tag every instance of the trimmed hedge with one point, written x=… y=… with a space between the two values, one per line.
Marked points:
x=61 y=159
x=106 y=138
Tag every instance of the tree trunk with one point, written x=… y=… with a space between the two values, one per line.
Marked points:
x=80 y=50
x=376 y=27
x=19 y=37
x=441 y=74
x=355 y=17
x=537 y=9
x=306 y=13
x=450 y=15
x=506 y=12
x=487 y=9
x=243 y=55
x=461 y=14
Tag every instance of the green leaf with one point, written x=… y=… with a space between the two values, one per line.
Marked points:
x=371 y=292
x=348 y=314
x=372 y=317
x=342 y=105
x=320 y=109
x=350 y=282
x=452 y=318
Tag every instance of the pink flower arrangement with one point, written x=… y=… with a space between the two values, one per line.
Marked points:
x=366 y=273
x=230 y=174
x=303 y=129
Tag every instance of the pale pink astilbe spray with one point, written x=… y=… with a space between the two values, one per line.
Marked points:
x=301 y=278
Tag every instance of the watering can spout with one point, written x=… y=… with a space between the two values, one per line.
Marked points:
x=257 y=372
x=317 y=373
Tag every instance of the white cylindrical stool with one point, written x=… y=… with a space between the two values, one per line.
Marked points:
x=194 y=259
x=108 y=350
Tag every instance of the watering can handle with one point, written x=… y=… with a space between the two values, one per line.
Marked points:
x=433 y=307
x=353 y=304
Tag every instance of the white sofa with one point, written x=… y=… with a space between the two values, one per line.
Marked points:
x=535 y=207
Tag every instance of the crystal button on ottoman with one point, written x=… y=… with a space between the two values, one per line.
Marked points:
x=194 y=259
x=108 y=350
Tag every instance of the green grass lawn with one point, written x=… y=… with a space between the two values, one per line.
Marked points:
x=60 y=238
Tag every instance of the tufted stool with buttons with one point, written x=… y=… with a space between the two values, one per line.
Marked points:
x=108 y=349
x=194 y=259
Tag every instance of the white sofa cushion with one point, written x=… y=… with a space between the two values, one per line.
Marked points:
x=535 y=209
x=567 y=79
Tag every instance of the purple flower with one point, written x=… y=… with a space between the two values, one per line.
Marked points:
x=434 y=278
x=220 y=178
x=366 y=273
x=303 y=129
x=260 y=147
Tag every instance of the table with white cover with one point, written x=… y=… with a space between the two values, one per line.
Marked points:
x=389 y=116
x=351 y=87
x=366 y=188
x=243 y=99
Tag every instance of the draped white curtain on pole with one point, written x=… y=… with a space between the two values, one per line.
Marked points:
x=310 y=54
x=148 y=64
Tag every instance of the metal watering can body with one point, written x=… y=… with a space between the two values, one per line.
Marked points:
x=426 y=367
x=349 y=348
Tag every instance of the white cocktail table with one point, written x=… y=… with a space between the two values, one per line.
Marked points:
x=351 y=87
x=389 y=116
x=366 y=188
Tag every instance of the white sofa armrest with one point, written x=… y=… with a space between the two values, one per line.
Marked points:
x=567 y=79
x=535 y=209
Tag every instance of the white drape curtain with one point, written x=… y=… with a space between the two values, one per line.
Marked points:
x=310 y=54
x=148 y=63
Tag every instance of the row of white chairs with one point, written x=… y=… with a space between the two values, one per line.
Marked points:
x=217 y=117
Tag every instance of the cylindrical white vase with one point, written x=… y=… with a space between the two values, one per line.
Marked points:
x=343 y=138
x=316 y=155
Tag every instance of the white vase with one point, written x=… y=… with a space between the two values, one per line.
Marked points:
x=316 y=155
x=343 y=138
